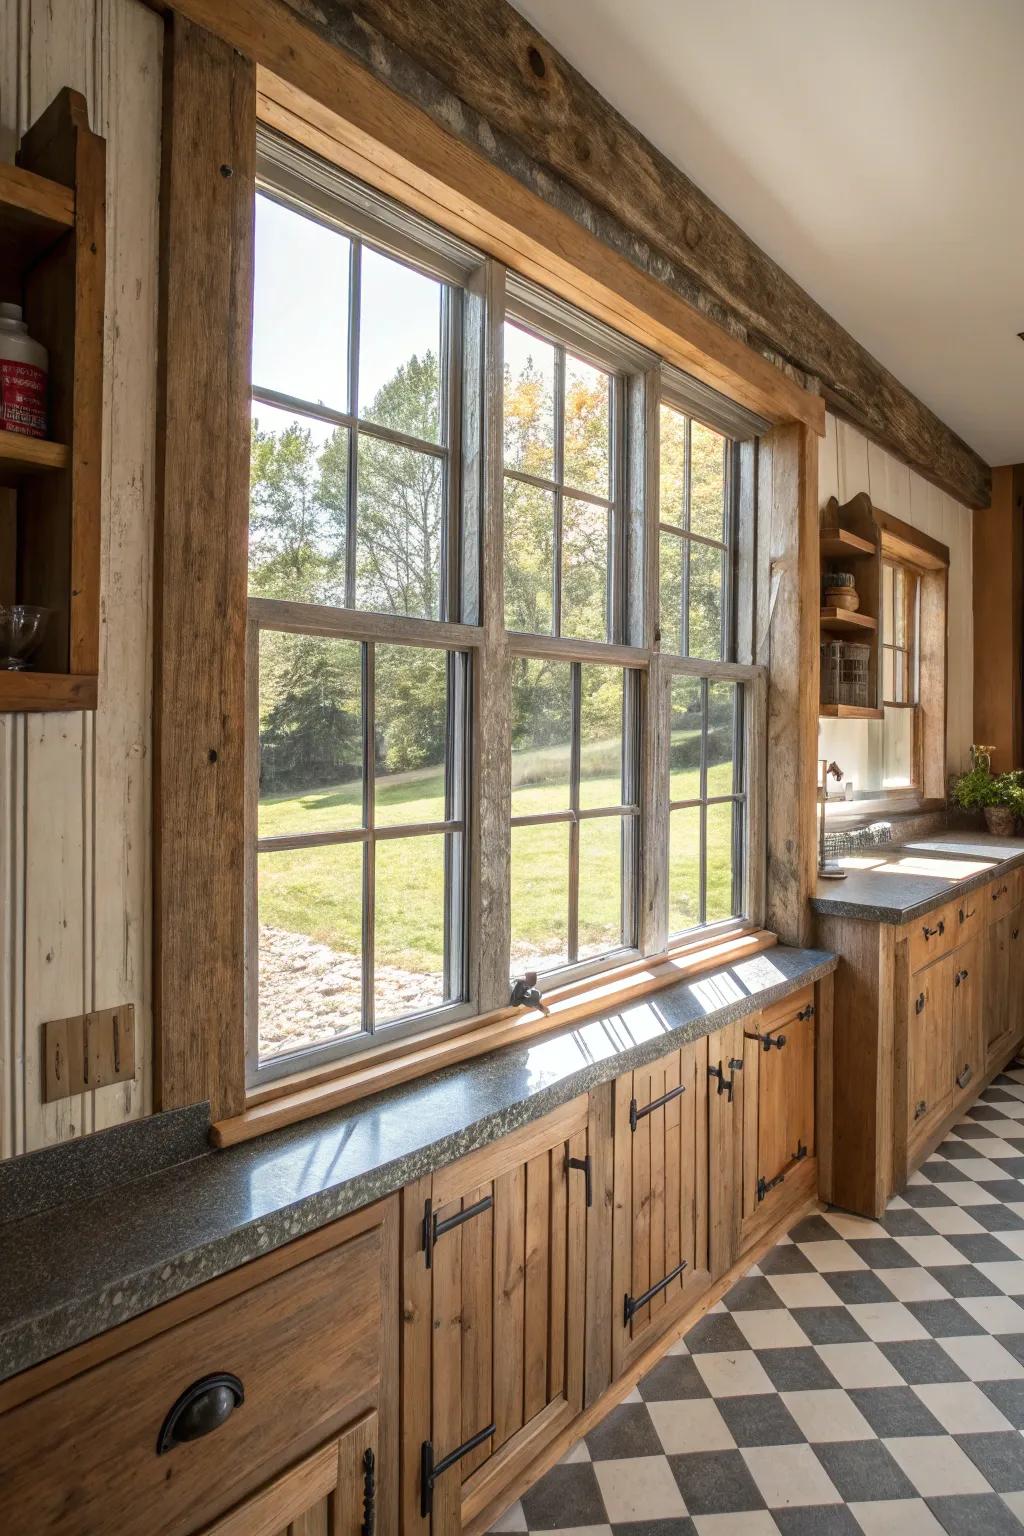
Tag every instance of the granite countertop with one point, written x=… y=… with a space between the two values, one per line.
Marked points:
x=898 y=882
x=127 y=1241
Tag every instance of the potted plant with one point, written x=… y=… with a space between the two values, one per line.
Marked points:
x=1000 y=797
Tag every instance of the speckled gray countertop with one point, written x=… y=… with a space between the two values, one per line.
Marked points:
x=70 y=1272
x=902 y=881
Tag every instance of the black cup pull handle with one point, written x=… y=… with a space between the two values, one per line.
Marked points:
x=203 y=1407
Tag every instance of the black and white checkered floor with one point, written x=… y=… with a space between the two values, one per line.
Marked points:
x=864 y=1377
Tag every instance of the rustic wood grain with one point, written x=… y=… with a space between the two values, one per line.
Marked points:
x=206 y=319
x=481 y=66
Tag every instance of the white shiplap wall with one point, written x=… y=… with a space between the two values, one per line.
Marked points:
x=848 y=463
x=75 y=930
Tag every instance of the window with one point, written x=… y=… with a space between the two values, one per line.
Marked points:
x=695 y=534
x=707 y=801
x=562 y=446
x=899 y=650
x=574 y=812
x=400 y=868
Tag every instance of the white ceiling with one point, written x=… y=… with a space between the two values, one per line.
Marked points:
x=873 y=148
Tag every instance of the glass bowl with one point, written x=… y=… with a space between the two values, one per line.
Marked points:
x=22 y=628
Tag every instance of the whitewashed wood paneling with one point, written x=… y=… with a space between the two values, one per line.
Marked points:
x=848 y=463
x=75 y=789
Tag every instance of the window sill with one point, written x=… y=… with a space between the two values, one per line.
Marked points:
x=329 y=1086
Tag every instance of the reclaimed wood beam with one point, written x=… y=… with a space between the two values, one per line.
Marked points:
x=490 y=78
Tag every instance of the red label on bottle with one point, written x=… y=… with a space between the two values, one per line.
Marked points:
x=22 y=398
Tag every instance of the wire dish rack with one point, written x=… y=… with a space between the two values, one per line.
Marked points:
x=840 y=844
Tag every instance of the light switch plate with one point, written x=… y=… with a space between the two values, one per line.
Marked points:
x=88 y=1051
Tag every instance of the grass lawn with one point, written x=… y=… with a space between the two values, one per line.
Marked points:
x=318 y=891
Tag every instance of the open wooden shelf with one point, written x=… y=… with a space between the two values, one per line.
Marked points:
x=29 y=456
x=849 y=712
x=53 y=264
x=35 y=691
x=844 y=545
x=844 y=623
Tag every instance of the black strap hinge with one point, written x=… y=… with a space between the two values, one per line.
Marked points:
x=637 y=1112
x=433 y=1228
x=765 y=1186
x=431 y=1470
x=631 y=1304
x=369 y=1525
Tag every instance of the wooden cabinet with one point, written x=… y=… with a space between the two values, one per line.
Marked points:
x=778 y=1094
x=333 y=1492
x=660 y=1252
x=968 y=1044
x=929 y=1048
x=494 y=1287
x=925 y=1013
x=278 y=1357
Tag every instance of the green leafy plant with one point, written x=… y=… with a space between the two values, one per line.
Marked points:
x=975 y=790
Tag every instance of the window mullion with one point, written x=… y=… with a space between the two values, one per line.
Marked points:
x=370 y=847
x=559 y=478
x=575 y=754
x=352 y=466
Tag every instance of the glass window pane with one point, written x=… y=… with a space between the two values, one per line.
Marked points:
x=300 y=328
x=888 y=676
x=888 y=621
x=529 y=557
x=707 y=482
x=900 y=586
x=310 y=903
x=529 y=413
x=398 y=529
x=672 y=489
x=898 y=747
x=705 y=602
x=541 y=735
x=721 y=747
x=600 y=889
x=410 y=692
x=587 y=450
x=409 y=897
x=540 y=897
x=584 y=570
x=685 y=731
x=399 y=347
x=298 y=471
x=720 y=901
x=601 y=702
x=310 y=725
x=684 y=869
x=671 y=579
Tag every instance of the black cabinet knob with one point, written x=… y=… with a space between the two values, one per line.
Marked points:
x=203 y=1407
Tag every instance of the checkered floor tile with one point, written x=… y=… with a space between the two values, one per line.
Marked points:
x=865 y=1377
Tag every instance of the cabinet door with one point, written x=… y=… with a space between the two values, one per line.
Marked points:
x=778 y=1108
x=331 y=1493
x=995 y=987
x=660 y=1232
x=968 y=1047
x=501 y=1256
x=929 y=1047
x=1015 y=977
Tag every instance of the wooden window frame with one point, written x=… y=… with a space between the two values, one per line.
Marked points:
x=218 y=84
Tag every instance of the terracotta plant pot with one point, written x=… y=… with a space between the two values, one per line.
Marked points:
x=1000 y=820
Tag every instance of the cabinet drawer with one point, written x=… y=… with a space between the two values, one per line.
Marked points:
x=1000 y=895
x=933 y=935
x=83 y=1460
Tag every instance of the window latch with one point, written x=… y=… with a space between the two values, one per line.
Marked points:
x=525 y=993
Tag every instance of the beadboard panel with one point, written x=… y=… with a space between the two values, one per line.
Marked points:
x=848 y=463
x=75 y=789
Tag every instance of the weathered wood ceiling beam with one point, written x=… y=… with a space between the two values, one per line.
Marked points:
x=481 y=70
